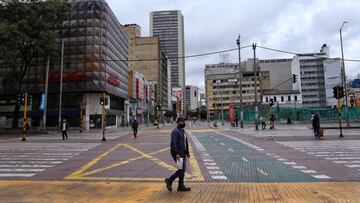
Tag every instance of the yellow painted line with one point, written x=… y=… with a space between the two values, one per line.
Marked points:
x=91 y=163
x=245 y=159
x=195 y=168
x=262 y=172
x=83 y=174
x=143 y=155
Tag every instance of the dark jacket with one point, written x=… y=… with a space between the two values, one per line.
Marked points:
x=316 y=122
x=178 y=143
x=135 y=124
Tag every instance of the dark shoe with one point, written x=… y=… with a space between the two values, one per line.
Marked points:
x=183 y=189
x=168 y=184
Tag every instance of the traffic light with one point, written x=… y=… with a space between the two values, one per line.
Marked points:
x=21 y=99
x=271 y=101
x=341 y=92
x=294 y=78
x=335 y=92
x=102 y=101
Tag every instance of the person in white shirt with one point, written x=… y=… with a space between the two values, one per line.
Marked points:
x=64 y=128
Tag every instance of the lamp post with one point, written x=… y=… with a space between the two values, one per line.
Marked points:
x=255 y=84
x=240 y=86
x=343 y=76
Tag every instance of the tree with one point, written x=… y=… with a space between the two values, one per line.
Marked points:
x=28 y=29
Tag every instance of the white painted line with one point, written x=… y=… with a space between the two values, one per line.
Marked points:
x=308 y=171
x=282 y=159
x=244 y=159
x=21 y=170
x=212 y=168
x=216 y=139
x=231 y=150
x=262 y=172
x=321 y=176
x=210 y=164
x=299 y=167
x=290 y=163
x=216 y=172
x=209 y=160
x=219 y=177
x=26 y=166
x=222 y=144
x=8 y=175
x=353 y=166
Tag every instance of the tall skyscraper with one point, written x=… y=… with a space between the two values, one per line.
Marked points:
x=168 y=26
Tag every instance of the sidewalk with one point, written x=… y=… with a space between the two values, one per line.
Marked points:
x=64 y=191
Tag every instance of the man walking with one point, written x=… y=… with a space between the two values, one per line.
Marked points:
x=179 y=152
x=316 y=126
x=64 y=128
x=135 y=126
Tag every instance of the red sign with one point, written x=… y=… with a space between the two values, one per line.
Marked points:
x=231 y=114
x=113 y=80
x=67 y=77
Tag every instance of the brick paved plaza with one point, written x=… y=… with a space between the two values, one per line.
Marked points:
x=226 y=165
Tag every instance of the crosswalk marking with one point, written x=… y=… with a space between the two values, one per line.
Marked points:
x=24 y=160
x=345 y=152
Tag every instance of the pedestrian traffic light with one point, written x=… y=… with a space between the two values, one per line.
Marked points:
x=335 y=92
x=294 y=78
x=271 y=101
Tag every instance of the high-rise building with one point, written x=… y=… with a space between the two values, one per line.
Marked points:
x=144 y=53
x=309 y=69
x=191 y=98
x=95 y=63
x=168 y=26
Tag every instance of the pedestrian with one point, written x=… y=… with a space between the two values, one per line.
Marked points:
x=64 y=128
x=263 y=122
x=272 y=121
x=135 y=126
x=179 y=152
x=316 y=126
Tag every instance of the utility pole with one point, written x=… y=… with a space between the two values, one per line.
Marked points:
x=222 y=108
x=255 y=84
x=81 y=116
x=61 y=80
x=240 y=86
x=339 y=109
x=103 y=117
x=343 y=77
x=25 y=118
x=46 y=92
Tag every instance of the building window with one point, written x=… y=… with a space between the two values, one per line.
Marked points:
x=274 y=99
x=267 y=99
x=289 y=98
x=282 y=99
x=295 y=98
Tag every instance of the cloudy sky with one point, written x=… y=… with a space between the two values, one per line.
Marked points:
x=213 y=25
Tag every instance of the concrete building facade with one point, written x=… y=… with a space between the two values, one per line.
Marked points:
x=168 y=26
x=146 y=58
x=309 y=69
x=191 y=98
x=222 y=85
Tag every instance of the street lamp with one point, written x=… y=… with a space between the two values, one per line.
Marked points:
x=343 y=76
x=240 y=86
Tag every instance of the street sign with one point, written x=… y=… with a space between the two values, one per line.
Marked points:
x=43 y=101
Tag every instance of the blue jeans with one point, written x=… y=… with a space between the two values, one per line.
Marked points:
x=180 y=173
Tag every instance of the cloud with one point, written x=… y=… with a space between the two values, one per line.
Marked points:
x=297 y=26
